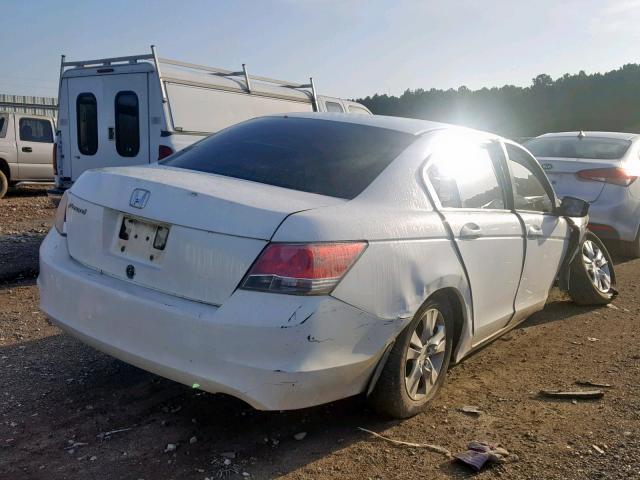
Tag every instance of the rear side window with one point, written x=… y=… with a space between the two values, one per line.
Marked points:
x=334 y=107
x=87 y=118
x=3 y=126
x=464 y=177
x=331 y=158
x=127 y=124
x=528 y=191
x=357 y=109
x=35 y=130
x=578 y=147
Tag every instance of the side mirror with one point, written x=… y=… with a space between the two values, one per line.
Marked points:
x=573 y=207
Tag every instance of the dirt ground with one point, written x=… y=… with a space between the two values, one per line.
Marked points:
x=68 y=411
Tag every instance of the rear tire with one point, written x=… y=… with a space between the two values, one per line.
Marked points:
x=592 y=279
x=4 y=184
x=418 y=362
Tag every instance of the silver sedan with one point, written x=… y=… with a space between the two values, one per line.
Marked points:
x=601 y=168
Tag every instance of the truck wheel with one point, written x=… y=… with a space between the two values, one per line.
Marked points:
x=418 y=362
x=4 y=184
x=592 y=280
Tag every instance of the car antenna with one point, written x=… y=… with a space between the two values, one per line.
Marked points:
x=581 y=134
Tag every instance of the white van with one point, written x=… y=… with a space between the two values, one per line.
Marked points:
x=139 y=109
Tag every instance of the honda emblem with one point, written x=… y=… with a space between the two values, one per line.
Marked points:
x=139 y=198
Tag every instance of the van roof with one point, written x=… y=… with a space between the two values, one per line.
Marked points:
x=192 y=76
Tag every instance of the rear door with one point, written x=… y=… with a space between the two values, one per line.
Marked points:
x=34 y=138
x=109 y=121
x=488 y=236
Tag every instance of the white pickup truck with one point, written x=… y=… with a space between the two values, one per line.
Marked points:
x=26 y=149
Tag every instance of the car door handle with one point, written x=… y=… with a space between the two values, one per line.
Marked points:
x=534 y=231
x=470 y=231
x=27 y=149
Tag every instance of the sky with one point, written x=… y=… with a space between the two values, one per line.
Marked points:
x=352 y=48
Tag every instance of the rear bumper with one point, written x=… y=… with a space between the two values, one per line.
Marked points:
x=275 y=352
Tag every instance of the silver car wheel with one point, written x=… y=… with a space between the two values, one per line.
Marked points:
x=597 y=266
x=425 y=354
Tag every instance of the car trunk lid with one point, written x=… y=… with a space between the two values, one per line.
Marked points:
x=563 y=174
x=189 y=234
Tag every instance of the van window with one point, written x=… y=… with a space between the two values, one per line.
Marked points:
x=87 y=118
x=3 y=126
x=35 y=130
x=334 y=107
x=357 y=109
x=127 y=124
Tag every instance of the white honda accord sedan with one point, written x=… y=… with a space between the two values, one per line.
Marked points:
x=294 y=260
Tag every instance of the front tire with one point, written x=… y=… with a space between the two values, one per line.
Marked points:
x=418 y=362
x=592 y=279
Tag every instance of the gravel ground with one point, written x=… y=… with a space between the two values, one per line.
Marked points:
x=59 y=399
x=26 y=215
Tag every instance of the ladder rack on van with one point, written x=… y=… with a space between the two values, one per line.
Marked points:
x=107 y=62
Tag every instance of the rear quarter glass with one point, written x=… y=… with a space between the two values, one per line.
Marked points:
x=336 y=159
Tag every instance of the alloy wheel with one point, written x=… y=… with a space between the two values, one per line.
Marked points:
x=597 y=266
x=425 y=354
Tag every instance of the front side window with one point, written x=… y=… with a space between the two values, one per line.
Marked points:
x=336 y=159
x=127 y=124
x=87 y=118
x=35 y=130
x=463 y=176
x=334 y=107
x=3 y=126
x=528 y=191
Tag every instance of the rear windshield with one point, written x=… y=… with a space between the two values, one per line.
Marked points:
x=331 y=158
x=575 y=147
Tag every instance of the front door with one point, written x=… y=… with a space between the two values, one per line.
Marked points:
x=488 y=236
x=547 y=234
x=109 y=121
x=34 y=139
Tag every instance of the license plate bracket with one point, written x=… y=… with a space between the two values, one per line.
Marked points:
x=142 y=239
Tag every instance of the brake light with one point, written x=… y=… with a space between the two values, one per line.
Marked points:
x=61 y=215
x=616 y=176
x=164 y=152
x=302 y=269
x=55 y=159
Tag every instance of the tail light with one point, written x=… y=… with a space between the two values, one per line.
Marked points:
x=164 y=152
x=61 y=215
x=55 y=159
x=616 y=176
x=302 y=269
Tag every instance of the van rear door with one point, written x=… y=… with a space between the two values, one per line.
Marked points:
x=108 y=121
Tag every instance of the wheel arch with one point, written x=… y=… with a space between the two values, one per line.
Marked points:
x=462 y=329
x=4 y=168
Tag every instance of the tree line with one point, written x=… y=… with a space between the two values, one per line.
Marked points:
x=601 y=101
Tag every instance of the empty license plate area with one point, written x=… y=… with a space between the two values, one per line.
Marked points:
x=142 y=240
